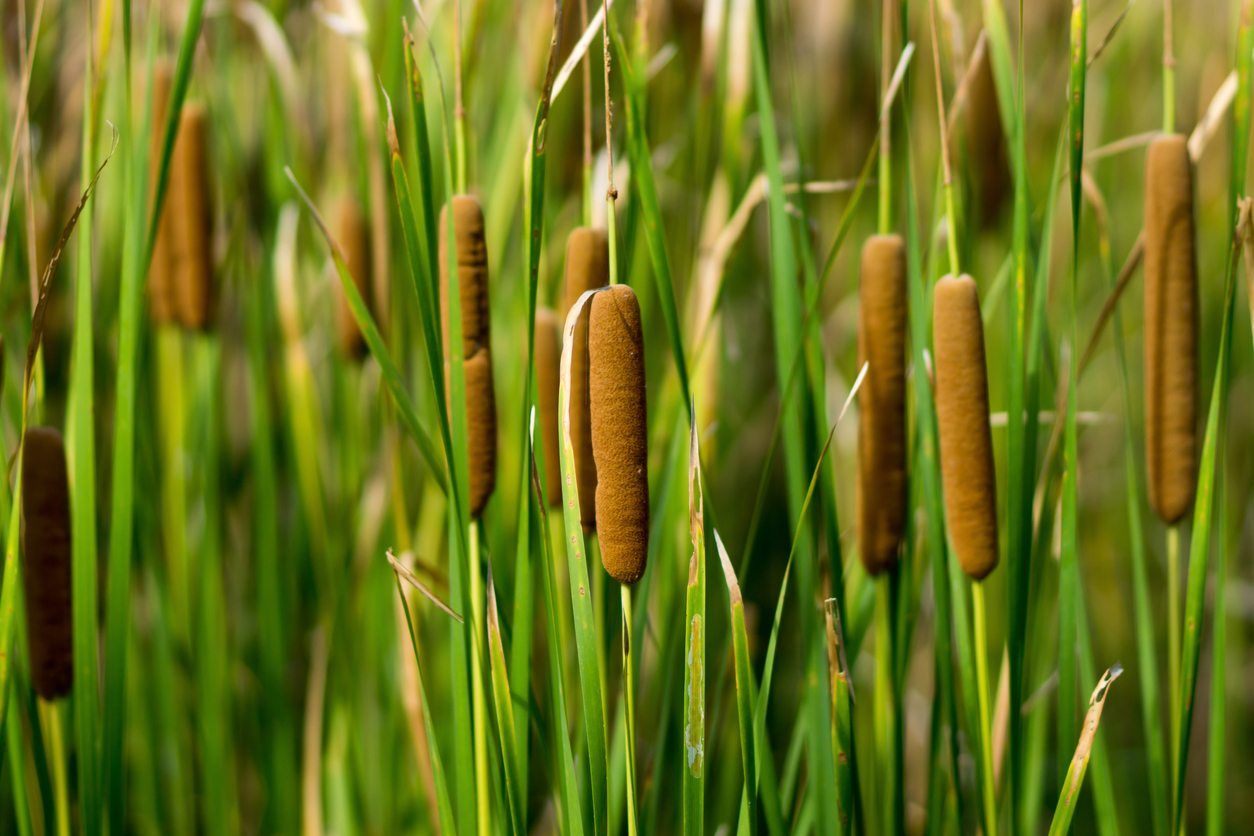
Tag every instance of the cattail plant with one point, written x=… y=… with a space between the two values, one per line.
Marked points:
x=46 y=562
x=882 y=326
x=967 y=473
x=354 y=238
x=472 y=280
x=616 y=389
x=161 y=273
x=548 y=374
x=986 y=138
x=1170 y=328
x=587 y=268
x=189 y=200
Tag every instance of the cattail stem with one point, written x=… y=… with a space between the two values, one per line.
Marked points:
x=479 y=703
x=989 y=796
x=951 y=216
x=629 y=710
x=886 y=120
x=1173 y=646
x=1169 y=68
x=50 y=714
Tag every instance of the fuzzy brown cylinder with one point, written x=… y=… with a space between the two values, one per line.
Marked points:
x=354 y=239
x=881 y=498
x=986 y=140
x=967 y=472
x=587 y=268
x=548 y=373
x=620 y=445
x=161 y=272
x=472 y=279
x=46 y=562
x=193 y=220
x=1171 y=317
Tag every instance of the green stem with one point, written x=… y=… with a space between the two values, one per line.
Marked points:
x=986 y=729
x=629 y=702
x=479 y=706
x=51 y=712
x=1169 y=70
x=1173 y=642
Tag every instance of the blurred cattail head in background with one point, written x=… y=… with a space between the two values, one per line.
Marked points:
x=46 y=562
x=1170 y=328
x=587 y=268
x=472 y=279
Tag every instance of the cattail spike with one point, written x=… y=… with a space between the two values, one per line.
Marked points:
x=987 y=140
x=161 y=273
x=587 y=268
x=193 y=221
x=620 y=449
x=354 y=239
x=548 y=373
x=472 y=279
x=881 y=497
x=1171 y=311
x=967 y=472
x=46 y=562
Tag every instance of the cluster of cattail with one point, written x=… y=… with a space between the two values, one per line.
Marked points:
x=1170 y=328
x=46 y=562
x=968 y=477
x=181 y=283
x=353 y=235
x=608 y=408
x=881 y=496
x=472 y=278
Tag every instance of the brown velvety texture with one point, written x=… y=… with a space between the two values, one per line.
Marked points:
x=1171 y=314
x=46 y=562
x=587 y=268
x=620 y=443
x=353 y=236
x=161 y=272
x=548 y=373
x=193 y=219
x=986 y=141
x=881 y=503
x=472 y=279
x=967 y=471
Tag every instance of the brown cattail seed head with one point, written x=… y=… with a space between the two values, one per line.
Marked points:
x=620 y=445
x=548 y=372
x=193 y=220
x=354 y=240
x=967 y=471
x=587 y=268
x=882 y=402
x=986 y=140
x=472 y=280
x=162 y=270
x=46 y=562
x=1171 y=311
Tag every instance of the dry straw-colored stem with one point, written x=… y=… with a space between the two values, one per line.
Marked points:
x=1170 y=328
x=548 y=373
x=967 y=471
x=46 y=562
x=189 y=198
x=472 y=279
x=587 y=268
x=882 y=402
x=353 y=236
x=616 y=387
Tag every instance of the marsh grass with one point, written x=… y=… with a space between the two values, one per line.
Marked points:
x=259 y=663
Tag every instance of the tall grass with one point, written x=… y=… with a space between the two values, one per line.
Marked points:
x=289 y=612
